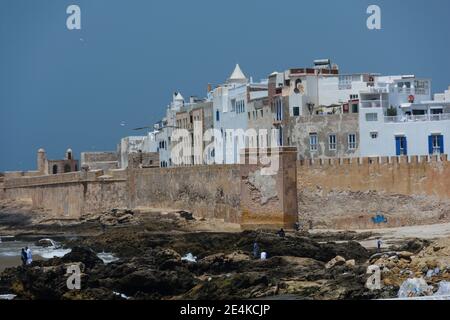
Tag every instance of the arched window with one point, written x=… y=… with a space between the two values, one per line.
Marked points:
x=55 y=169
x=67 y=168
x=69 y=156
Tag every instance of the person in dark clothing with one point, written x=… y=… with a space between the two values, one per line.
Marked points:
x=256 y=250
x=379 y=243
x=281 y=233
x=23 y=257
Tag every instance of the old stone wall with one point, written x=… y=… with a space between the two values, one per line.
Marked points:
x=2 y=190
x=70 y=195
x=62 y=166
x=340 y=125
x=143 y=160
x=21 y=174
x=239 y=193
x=398 y=175
x=269 y=197
x=207 y=191
x=100 y=160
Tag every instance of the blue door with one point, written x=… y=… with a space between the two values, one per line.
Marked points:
x=401 y=146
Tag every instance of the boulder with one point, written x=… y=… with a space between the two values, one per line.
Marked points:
x=155 y=281
x=350 y=263
x=186 y=215
x=46 y=243
x=125 y=218
x=337 y=261
x=405 y=255
x=382 y=262
x=85 y=255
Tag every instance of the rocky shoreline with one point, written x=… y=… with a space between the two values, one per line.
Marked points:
x=151 y=250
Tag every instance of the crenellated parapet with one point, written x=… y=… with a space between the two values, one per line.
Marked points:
x=408 y=175
x=369 y=161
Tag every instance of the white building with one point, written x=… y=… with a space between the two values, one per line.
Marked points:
x=136 y=144
x=231 y=115
x=165 y=129
x=343 y=90
x=321 y=89
x=443 y=96
x=398 y=117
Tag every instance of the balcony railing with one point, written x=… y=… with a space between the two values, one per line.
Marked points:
x=417 y=118
x=374 y=104
x=375 y=90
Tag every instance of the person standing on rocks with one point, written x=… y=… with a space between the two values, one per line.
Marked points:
x=256 y=250
x=23 y=257
x=29 y=256
x=379 y=243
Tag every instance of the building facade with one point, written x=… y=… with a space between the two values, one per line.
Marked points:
x=231 y=115
x=195 y=119
x=398 y=117
x=318 y=110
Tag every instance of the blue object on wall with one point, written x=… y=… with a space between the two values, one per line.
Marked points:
x=379 y=219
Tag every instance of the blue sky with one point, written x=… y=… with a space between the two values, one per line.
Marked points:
x=61 y=88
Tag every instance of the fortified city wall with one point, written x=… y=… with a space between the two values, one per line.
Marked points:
x=234 y=193
x=413 y=175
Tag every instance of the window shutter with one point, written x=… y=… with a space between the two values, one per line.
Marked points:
x=397 y=146
x=441 y=143
x=430 y=145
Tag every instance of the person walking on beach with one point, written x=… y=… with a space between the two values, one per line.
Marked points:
x=29 y=256
x=23 y=257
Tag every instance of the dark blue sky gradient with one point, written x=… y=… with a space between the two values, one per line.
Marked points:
x=57 y=91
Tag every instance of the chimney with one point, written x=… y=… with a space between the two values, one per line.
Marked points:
x=209 y=88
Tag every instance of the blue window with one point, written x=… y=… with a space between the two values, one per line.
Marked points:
x=436 y=144
x=401 y=146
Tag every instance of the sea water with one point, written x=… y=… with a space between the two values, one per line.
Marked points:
x=10 y=252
